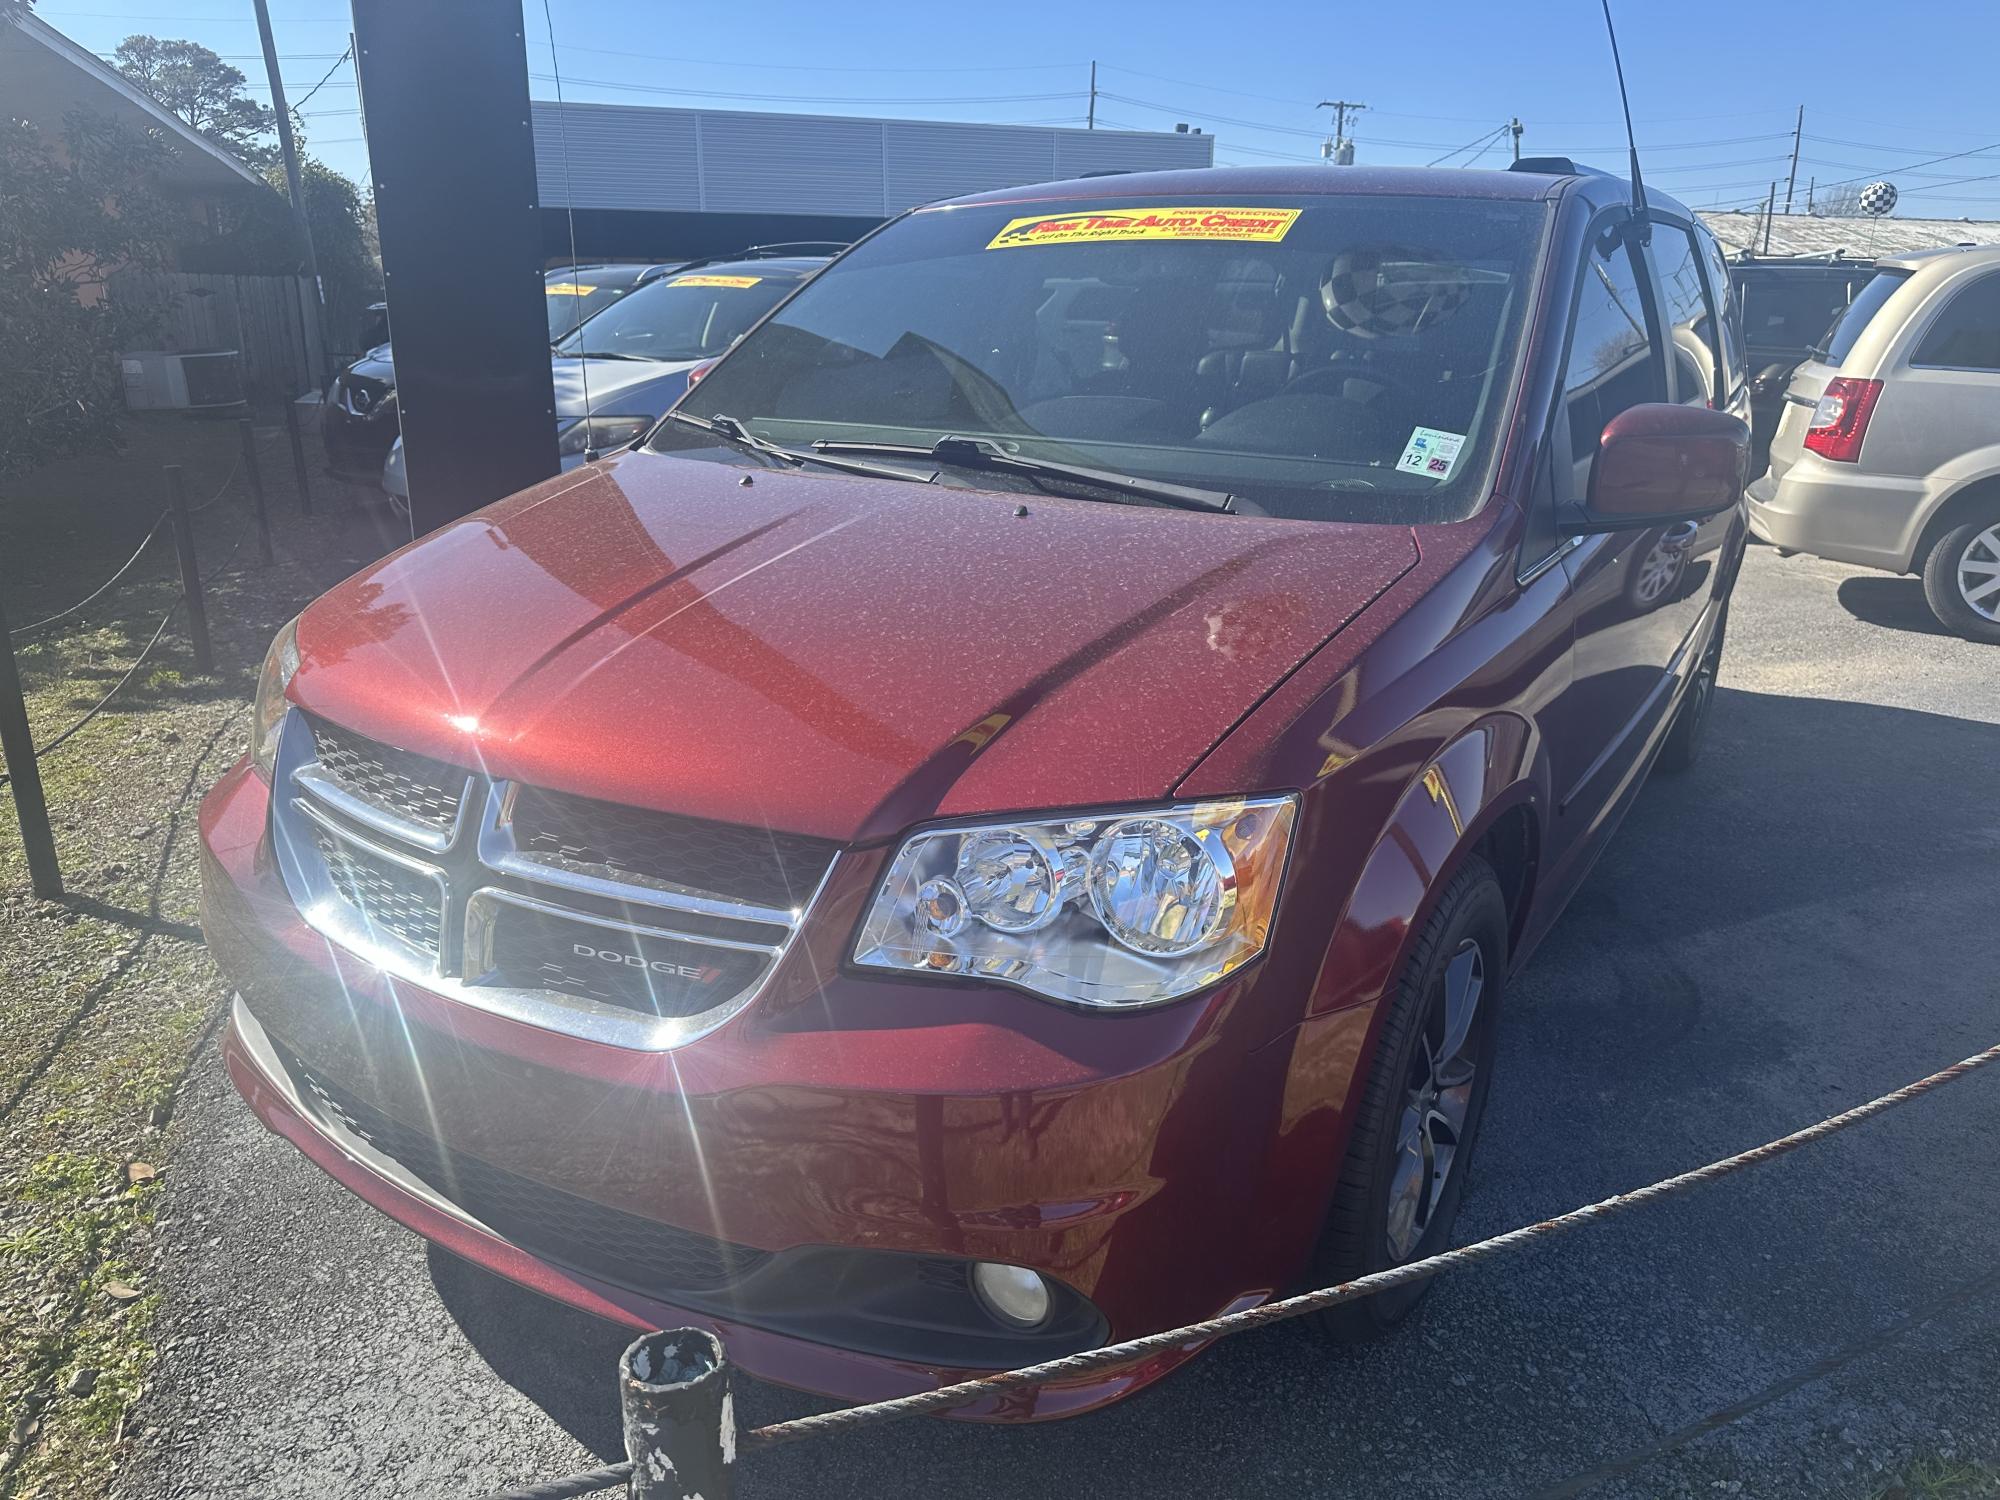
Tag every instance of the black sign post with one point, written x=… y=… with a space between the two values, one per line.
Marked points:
x=444 y=90
x=18 y=746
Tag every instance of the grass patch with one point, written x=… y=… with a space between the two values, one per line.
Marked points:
x=1943 y=1479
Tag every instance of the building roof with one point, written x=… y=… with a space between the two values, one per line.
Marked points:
x=44 y=75
x=1857 y=238
x=654 y=159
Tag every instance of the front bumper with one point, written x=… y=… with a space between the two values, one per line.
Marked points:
x=1127 y=1158
x=356 y=446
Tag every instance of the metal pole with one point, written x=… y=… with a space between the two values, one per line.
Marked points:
x=289 y=149
x=256 y=477
x=299 y=475
x=680 y=1423
x=30 y=806
x=1792 y=181
x=204 y=655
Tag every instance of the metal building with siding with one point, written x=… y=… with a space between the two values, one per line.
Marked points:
x=646 y=182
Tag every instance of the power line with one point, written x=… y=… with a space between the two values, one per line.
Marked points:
x=329 y=73
x=1484 y=140
x=760 y=66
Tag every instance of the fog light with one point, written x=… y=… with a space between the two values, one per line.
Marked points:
x=1015 y=1295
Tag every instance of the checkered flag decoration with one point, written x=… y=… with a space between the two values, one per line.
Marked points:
x=1878 y=198
x=1361 y=300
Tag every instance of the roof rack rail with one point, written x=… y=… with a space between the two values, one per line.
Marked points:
x=1556 y=166
x=790 y=247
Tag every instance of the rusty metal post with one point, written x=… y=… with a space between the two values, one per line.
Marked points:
x=177 y=503
x=256 y=488
x=17 y=742
x=299 y=475
x=680 y=1423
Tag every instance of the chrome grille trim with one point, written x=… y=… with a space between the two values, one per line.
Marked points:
x=499 y=851
x=480 y=877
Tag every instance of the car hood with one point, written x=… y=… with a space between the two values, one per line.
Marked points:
x=619 y=387
x=828 y=654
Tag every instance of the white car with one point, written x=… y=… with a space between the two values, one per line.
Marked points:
x=1888 y=454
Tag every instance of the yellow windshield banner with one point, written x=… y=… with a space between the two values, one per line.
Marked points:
x=715 y=281
x=568 y=289
x=1199 y=223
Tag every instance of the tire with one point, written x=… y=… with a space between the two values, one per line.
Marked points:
x=1468 y=927
x=1964 y=562
x=1683 y=744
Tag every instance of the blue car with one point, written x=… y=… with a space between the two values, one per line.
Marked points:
x=632 y=359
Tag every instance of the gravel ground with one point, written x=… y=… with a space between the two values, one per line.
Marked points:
x=1803 y=922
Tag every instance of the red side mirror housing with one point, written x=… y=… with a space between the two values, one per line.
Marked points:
x=1658 y=463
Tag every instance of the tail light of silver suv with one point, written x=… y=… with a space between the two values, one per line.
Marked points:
x=1840 y=420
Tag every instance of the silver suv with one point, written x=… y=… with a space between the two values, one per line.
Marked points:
x=1888 y=453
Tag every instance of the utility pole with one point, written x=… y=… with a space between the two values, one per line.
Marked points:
x=289 y=148
x=1514 y=128
x=1770 y=206
x=1792 y=181
x=1811 y=184
x=1342 y=153
x=1090 y=123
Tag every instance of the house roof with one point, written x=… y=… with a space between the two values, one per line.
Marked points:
x=1859 y=238
x=44 y=75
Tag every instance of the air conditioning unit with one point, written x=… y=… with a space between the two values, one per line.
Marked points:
x=158 y=381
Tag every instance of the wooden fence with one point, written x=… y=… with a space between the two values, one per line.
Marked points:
x=260 y=316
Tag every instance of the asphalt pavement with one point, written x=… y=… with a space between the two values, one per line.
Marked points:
x=1809 y=918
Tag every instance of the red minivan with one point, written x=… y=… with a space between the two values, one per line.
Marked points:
x=1005 y=822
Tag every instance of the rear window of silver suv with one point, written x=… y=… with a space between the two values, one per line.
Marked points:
x=1847 y=327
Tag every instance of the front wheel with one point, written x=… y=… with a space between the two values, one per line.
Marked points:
x=1683 y=743
x=1411 y=1146
x=1962 y=579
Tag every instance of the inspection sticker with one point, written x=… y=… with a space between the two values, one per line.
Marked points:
x=1199 y=223
x=1431 y=452
x=715 y=281
x=568 y=289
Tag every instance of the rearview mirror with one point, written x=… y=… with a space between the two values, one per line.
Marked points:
x=1659 y=463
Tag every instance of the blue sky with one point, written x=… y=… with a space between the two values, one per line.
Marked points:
x=1715 y=86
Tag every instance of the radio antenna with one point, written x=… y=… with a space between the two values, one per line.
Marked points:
x=1638 y=183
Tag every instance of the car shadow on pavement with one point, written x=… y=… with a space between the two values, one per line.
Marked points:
x=1739 y=965
x=563 y=1360
x=1894 y=603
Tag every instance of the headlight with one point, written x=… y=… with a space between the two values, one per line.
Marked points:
x=268 y=713
x=601 y=432
x=1108 y=909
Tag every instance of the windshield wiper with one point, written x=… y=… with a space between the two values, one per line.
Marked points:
x=610 y=354
x=732 y=430
x=981 y=453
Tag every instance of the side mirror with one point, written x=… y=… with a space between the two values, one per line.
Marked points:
x=1658 y=463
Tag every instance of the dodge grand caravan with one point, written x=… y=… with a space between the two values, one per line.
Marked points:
x=1006 y=821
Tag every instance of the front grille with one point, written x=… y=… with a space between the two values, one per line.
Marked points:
x=387 y=896
x=652 y=975
x=401 y=783
x=740 y=863
x=622 y=1247
x=635 y=928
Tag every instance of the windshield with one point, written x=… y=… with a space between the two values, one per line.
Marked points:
x=692 y=316
x=1325 y=358
x=1846 y=330
x=573 y=296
